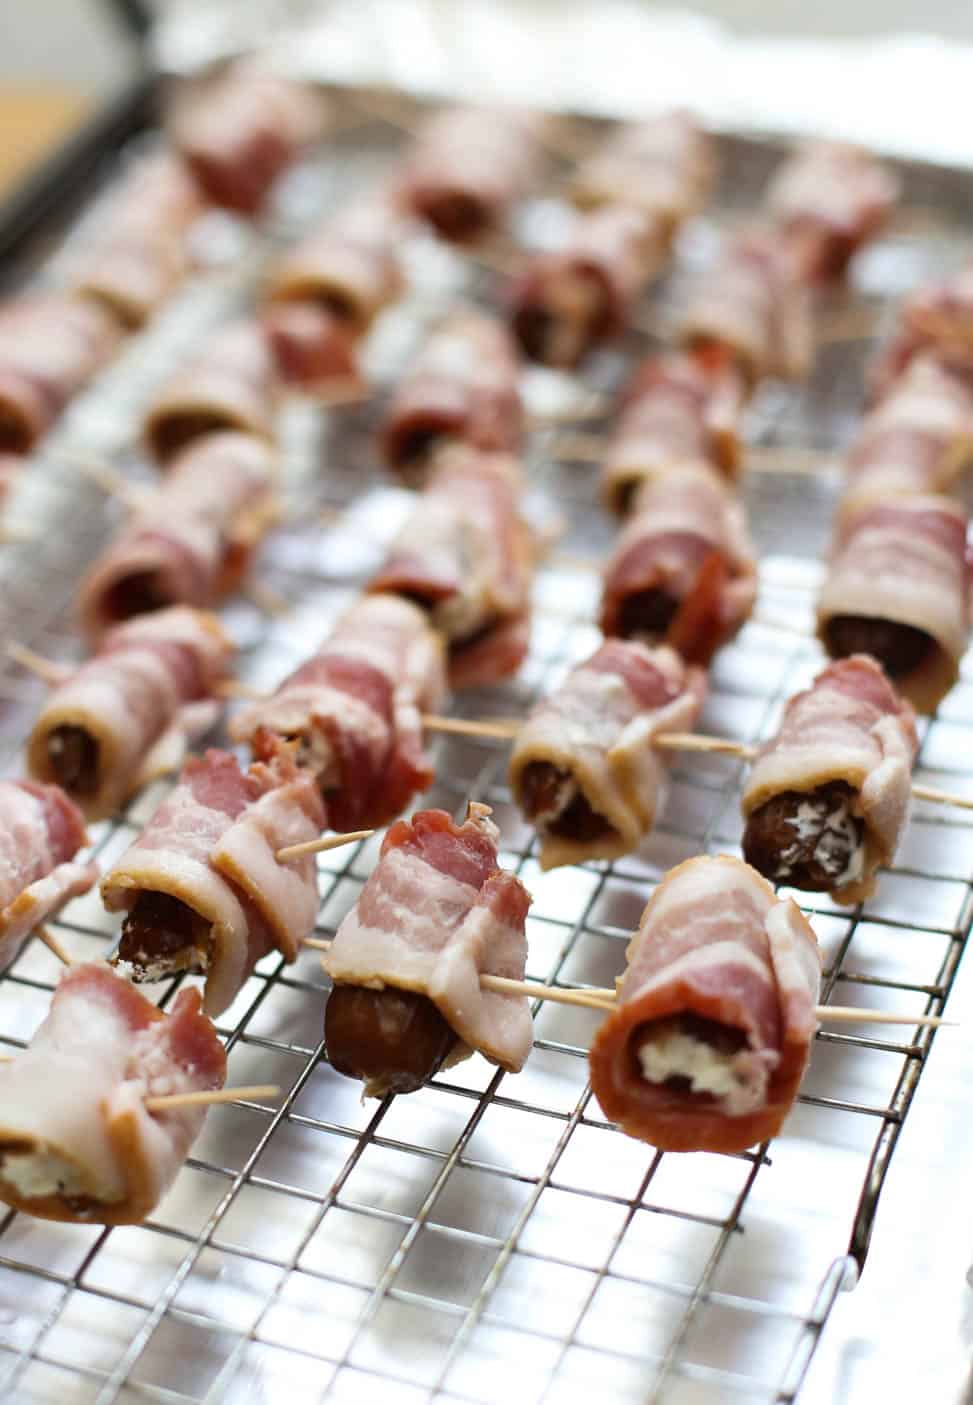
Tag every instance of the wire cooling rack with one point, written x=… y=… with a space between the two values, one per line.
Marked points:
x=490 y=1236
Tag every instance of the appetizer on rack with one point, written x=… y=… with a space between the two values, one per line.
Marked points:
x=665 y=164
x=683 y=570
x=465 y=556
x=828 y=796
x=584 y=769
x=355 y=711
x=77 y=1141
x=898 y=588
x=202 y=888
x=919 y=436
x=715 y=1014
x=241 y=129
x=461 y=388
x=137 y=253
x=635 y=191
x=190 y=541
x=935 y=320
x=129 y=713
x=51 y=345
x=571 y=299
x=436 y=914
x=323 y=294
x=41 y=831
x=830 y=198
x=467 y=167
x=750 y=311
x=229 y=383
x=675 y=410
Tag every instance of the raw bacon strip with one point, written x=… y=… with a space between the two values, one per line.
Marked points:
x=465 y=556
x=683 y=571
x=77 y=1142
x=231 y=384
x=675 y=410
x=324 y=293
x=568 y=301
x=98 y=729
x=716 y=1012
x=41 y=831
x=138 y=253
x=937 y=320
x=240 y=132
x=828 y=796
x=202 y=886
x=192 y=541
x=436 y=914
x=467 y=167
x=918 y=439
x=829 y=199
x=356 y=710
x=584 y=769
x=898 y=587
x=664 y=165
x=751 y=310
x=461 y=388
x=51 y=345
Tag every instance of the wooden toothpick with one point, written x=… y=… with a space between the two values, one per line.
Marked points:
x=52 y=673
x=109 y=479
x=236 y=688
x=54 y=946
x=207 y=1097
x=502 y=728
x=942 y=797
x=15 y=533
x=322 y=845
x=690 y=741
x=604 y=998
x=507 y=728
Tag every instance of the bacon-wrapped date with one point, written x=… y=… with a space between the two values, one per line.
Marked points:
x=202 y=889
x=829 y=199
x=683 y=571
x=675 y=410
x=464 y=555
x=191 y=541
x=241 y=130
x=51 y=345
x=436 y=914
x=355 y=711
x=467 y=167
x=41 y=831
x=918 y=439
x=149 y=686
x=138 y=252
x=77 y=1141
x=664 y=165
x=568 y=301
x=828 y=796
x=711 y=1034
x=751 y=310
x=584 y=768
x=229 y=384
x=898 y=588
x=323 y=294
x=462 y=388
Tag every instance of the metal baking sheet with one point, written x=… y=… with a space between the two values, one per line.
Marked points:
x=490 y=1236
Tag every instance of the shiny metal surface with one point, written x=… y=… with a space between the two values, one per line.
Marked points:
x=491 y=1236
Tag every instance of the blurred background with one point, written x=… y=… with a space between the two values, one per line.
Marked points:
x=773 y=65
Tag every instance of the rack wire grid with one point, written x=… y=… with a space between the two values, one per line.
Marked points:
x=490 y=1235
